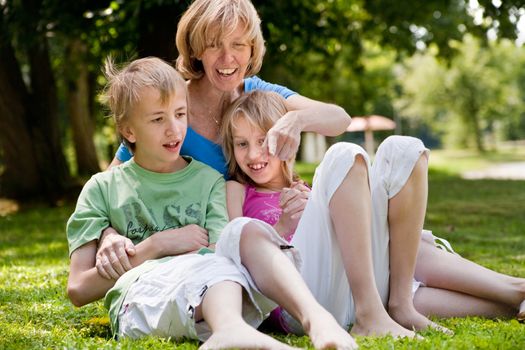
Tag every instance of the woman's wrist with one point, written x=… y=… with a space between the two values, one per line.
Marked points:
x=297 y=120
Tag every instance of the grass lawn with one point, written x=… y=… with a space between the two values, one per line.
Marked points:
x=484 y=220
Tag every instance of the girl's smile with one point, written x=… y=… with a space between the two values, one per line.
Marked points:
x=251 y=154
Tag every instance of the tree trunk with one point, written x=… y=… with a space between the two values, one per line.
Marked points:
x=43 y=122
x=78 y=106
x=34 y=164
x=20 y=177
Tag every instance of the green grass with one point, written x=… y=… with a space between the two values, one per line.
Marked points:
x=483 y=219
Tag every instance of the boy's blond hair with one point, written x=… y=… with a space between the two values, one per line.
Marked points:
x=261 y=109
x=208 y=21
x=124 y=86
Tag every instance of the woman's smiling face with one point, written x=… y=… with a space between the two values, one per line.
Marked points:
x=226 y=60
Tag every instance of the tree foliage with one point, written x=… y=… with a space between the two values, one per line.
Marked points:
x=335 y=50
x=474 y=98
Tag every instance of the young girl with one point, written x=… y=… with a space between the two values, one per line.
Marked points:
x=331 y=226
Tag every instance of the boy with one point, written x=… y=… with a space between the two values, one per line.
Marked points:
x=171 y=206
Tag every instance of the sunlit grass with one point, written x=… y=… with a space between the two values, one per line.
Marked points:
x=455 y=162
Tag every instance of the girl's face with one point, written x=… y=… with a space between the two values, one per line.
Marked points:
x=254 y=159
x=158 y=130
x=226 y=62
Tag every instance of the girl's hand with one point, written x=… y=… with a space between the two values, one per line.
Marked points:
x=292 y=201
x=284 y=137
x=114 y=250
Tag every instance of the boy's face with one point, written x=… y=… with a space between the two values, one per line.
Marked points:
x=253 y=158
x=157 y=129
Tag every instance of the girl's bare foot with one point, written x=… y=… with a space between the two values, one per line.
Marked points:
x=326 y=333
x=408 y=317
x=242 y=336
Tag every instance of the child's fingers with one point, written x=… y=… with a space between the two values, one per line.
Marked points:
x=130 y=248
x=108 y=268
x=116 y=258
x=286 y=195
x=300 y=186
x=297 y=215
x=289 y=194
x=101 y=271
x=296 y=204
x=123 y=256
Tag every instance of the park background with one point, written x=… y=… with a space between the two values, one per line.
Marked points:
x=450 y=72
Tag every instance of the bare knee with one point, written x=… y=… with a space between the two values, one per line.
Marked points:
x=254 y=239
x=417 y=182
x=421 y=166
x=359 y=170
x=251 y=234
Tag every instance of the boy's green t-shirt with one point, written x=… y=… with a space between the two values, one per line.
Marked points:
x=138 y=203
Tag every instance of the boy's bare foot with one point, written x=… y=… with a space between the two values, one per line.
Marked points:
x=521 y=313
x=242 y=336
x=326 y=333
x=408 y=317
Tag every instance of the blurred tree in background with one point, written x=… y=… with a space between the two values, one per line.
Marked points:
x=475 y=98
x=362 y=55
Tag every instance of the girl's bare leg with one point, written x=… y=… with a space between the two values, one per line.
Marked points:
x=442 y=270
x=221 y=308
x=277 y=278
x=406 y=215
x=350 y=208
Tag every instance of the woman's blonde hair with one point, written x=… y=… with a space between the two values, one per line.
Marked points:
x=124 y=86
x=211 y=20
x=261 y=109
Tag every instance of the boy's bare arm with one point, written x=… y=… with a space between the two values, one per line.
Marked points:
x=113 y=258
x=84 y=284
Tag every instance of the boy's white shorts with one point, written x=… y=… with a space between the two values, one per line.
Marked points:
x=322 y=264
x=162 y=301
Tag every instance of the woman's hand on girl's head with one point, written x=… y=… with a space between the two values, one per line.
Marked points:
x=284 y=137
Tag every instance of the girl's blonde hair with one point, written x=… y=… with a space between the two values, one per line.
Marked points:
x=208 y=21
x=124 y=86
x=261 y=109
